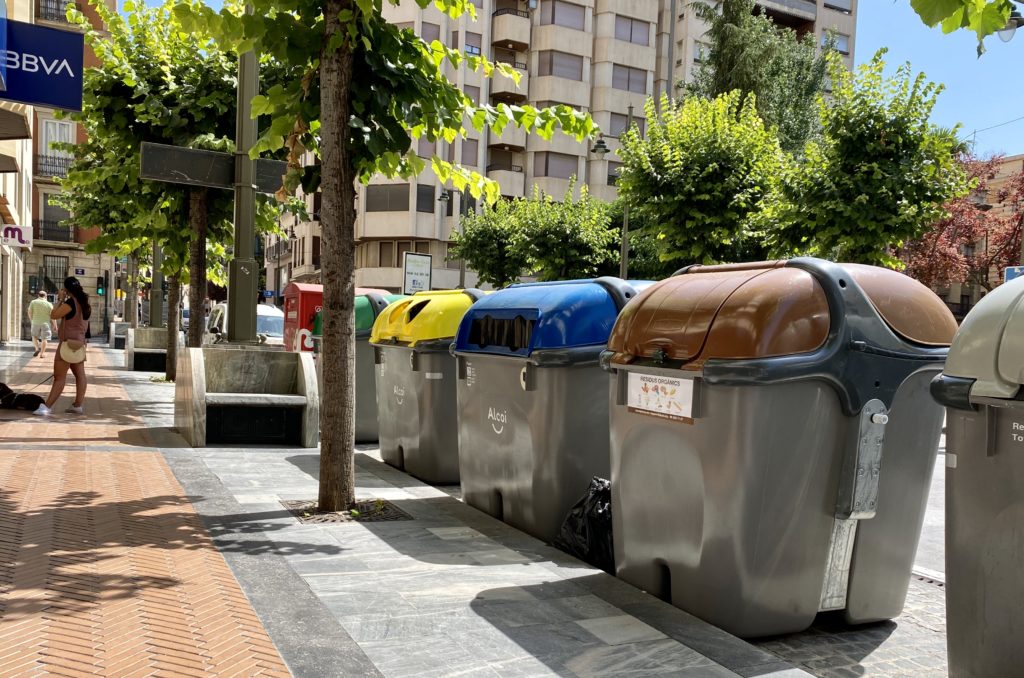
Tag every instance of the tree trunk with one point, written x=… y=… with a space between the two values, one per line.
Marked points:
x=132 y=297
x=197 y=216
x=337 y=219
x=173 y=302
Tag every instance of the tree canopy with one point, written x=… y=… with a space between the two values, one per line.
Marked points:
x=782 y=72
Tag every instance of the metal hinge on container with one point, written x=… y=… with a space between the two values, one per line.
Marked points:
x=858 y=500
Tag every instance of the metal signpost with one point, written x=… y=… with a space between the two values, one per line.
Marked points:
x=418 y=273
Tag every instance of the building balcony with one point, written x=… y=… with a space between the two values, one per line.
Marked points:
x=796 y=14
x=53 y=10
x=48 y=166
x=279 y=249
x=505 y=89
x=511 y=139
x=510 y=177
x=510 y=28
x=53 y=231
x=844 y=6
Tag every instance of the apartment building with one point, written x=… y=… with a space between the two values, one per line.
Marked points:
x=602 y=56
x=16 y=127
x=59 y=245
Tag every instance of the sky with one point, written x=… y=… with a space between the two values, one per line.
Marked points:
x=979 y=94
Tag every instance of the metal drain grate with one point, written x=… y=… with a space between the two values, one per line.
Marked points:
x=365 y=511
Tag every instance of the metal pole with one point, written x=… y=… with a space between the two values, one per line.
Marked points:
x=462 y=231
x=156 y=292
x=242 y=273
x=624 y=246
x=670 y=68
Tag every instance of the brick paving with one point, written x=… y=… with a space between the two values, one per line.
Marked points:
x=105 y=566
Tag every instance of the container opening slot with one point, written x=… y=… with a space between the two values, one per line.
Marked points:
x=415 y=310
x=513 y=334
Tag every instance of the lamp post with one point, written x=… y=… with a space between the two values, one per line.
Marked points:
x=1013 y=23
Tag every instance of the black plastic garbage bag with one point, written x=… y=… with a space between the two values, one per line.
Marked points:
x=587 y=530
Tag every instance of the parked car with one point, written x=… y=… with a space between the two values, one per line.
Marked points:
x=269 y=324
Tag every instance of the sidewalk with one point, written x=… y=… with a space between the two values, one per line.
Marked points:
x=452 y=591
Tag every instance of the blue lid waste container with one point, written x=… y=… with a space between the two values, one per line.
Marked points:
x=772 y=440
x=533 y=415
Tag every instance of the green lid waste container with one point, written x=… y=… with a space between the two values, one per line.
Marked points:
x=772 y=440
x=981 y=389
x=415 y=376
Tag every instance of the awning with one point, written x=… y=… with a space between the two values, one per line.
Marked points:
x=14 y=122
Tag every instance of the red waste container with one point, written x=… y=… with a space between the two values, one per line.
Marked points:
x=301 y=304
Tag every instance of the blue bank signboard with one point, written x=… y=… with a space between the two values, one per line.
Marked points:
x=42 y=66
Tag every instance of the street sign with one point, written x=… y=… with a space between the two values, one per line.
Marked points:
x=197 y=167
x=42 y=66
x=79 y=271
x=267 y=294
x=1012 y=272
x=16 y=236
x=418 y=272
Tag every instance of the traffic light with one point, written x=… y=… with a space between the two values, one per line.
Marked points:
x=101 y=286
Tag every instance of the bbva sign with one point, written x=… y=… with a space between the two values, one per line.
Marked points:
x=43 y=66
x=34 y=63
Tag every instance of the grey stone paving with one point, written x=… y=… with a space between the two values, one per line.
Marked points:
x=453 y=592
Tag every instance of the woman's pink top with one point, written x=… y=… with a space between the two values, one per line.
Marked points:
x=73 y=326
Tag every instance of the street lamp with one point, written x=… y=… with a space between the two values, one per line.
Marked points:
x=600 y=148
x=1012 y=24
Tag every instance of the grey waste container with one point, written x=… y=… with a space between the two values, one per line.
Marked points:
x=415 y=375
x=981 y=389
x=533 y=421
x=772 y=440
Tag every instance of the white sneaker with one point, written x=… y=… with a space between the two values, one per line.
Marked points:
x=75 y=410
x=43 y=411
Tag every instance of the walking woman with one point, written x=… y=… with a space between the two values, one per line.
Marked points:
x=73 y=311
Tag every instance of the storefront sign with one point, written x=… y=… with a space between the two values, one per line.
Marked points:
x=16 y=236
x=42 y=66
x=418 y=270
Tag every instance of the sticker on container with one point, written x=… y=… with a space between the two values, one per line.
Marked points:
x=665 y=397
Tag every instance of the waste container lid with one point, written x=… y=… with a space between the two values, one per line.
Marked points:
x=425 y=316
x=989 y=348
x=528 y=317
x=764 y=310
x=366 y=310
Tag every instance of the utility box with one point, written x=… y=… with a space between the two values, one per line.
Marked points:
x=302 y=303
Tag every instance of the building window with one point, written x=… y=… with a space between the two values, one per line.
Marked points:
x=422 y=247
x=55 y=270
x=449 y=204
x=425 y=199
x=556 y=165
x=316 y=251
x=56 y=131
x=387 y=198
x=473 y=43
x=473 y=92
x=629 y=79
x=618 y=124
x=424 y=147
x=613 y=172
x=632 y=30
x=430 y=32
x=387 y=255
x=700 y=51
x=560 y=64
x=842 y=42
x=403 y=247
x=455 y=39
x=470 y=152
x=562 y=14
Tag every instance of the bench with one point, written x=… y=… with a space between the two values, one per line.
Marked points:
x=145 y=349
x=246 y=395
x=118 y=334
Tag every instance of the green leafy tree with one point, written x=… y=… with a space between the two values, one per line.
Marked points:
x=360 y=127
x=782 y=72
x=982 y=17
x=700 y=176
x=491 y=243
x=156 y=83
x=879 y=177
x=568 y=239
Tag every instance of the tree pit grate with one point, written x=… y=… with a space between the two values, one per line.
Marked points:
x=365 y=511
